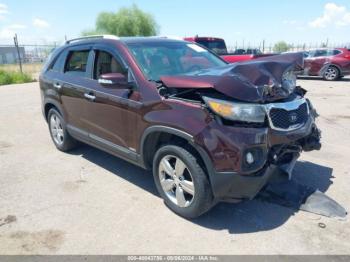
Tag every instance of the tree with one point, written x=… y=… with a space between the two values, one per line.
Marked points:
x=281 y=46
x=125 y=22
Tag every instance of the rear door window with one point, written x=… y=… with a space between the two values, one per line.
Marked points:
x=77 y=62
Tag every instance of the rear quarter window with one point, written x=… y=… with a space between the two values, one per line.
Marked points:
x=58 y=63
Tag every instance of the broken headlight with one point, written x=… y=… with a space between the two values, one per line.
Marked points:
x=236 y=111
x=289 y=80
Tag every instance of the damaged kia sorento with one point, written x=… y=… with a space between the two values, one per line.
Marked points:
x=210 y=131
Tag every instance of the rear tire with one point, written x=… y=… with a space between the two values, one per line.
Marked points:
x=181 y=181
x=58 y=131
x=332 y=73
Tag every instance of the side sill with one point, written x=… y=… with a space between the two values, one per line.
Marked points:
x=105 y=145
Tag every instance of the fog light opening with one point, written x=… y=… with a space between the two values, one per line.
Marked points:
x=249 y=158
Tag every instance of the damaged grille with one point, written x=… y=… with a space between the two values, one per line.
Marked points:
x=287 y=118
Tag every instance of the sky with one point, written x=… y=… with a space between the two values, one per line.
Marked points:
x=249 y=22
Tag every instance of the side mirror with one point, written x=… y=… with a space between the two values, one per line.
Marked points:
x=114 y=80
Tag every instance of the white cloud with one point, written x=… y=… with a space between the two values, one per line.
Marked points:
x=8 y=32
x=4 y=9
x=40 y=23
x=333 y=14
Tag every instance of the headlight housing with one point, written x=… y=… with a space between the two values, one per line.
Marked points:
x=289 y=80
x=236 y=111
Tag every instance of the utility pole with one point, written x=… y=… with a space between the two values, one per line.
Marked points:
x=263 y=46
x=15 y=39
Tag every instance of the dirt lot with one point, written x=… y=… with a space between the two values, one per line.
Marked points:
x=88 y=202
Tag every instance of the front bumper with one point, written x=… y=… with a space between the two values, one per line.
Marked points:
x=279 y=150
x=230 y=185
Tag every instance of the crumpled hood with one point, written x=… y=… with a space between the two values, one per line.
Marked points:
x=257 y=80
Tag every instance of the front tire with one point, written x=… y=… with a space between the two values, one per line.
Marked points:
x=331 y=74
x=58 y=131
x=181 y=181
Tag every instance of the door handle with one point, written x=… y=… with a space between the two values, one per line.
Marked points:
x=57 y=85
x=90 y=96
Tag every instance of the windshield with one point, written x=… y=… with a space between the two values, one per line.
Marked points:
x=217 y=46
x=157 y=59
x=247 y=52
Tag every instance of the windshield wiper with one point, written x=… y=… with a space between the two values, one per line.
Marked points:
x=158 y=82
x=155 y=81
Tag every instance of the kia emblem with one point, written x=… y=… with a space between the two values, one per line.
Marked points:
x=293 y=117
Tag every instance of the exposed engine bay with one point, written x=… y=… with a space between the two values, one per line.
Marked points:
x=256 y=94
x=260 y=93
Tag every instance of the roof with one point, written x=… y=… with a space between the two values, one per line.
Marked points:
x=209 y=38
x=127 y=40
x=152 y=39
x=327 y=48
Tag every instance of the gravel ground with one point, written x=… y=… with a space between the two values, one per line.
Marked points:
x=88 y=202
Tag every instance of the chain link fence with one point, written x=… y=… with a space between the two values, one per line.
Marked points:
x=31 y=57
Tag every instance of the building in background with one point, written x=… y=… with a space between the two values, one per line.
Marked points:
x=9 y=55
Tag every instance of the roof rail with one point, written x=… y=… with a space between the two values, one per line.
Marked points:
x=171 y=37
x=91 y=37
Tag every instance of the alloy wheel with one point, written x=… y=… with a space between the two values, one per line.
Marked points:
x=331 y=73
x=176 y=180
x=56 y=129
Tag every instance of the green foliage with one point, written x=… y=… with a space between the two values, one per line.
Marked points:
x=281 y=46
x=126 y=22
x=8 y=77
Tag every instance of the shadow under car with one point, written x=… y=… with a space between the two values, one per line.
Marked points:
x=237 y=218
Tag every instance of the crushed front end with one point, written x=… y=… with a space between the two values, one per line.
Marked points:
x=245 y=156
x=258 y=122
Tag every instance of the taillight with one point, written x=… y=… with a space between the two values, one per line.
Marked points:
x=347 y=54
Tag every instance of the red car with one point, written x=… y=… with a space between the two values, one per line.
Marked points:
x=331 y=64
x=218 y=46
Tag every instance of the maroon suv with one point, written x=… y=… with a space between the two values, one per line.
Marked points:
x=209 y=130
x=331 y=64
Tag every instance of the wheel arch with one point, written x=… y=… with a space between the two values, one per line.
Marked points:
x=49 y=104
x=154 y=136
x=325 y=67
